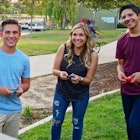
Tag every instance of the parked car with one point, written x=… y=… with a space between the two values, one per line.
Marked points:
x=24 y=24
x=38 y=25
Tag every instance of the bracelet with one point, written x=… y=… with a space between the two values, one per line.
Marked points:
x=81 y=79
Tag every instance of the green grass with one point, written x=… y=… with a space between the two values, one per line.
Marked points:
x=104 y=120
x=47 y=42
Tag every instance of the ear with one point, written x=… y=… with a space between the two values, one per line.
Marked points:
x=139 y=15
x=19 y=34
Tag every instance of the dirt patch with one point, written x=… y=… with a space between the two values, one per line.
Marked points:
x=40 y=95
x=105 y=79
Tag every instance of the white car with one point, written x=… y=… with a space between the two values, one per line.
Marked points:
x=38 y=25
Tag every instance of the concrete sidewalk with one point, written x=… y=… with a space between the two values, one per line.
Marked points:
x=43 y=64
x=107 y=53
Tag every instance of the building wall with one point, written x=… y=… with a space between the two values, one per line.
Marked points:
x=103 y=19
x=14 y=1
x=106 y=19
x=83 y=13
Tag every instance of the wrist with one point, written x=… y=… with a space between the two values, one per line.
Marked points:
x=81 y=79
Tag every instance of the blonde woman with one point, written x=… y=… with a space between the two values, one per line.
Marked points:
x=75 y=66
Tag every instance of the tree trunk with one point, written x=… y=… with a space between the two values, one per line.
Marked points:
x=64 y=16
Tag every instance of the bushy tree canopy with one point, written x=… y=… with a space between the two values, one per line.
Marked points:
x=105 y=4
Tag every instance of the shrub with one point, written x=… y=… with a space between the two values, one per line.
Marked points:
x=120 y=25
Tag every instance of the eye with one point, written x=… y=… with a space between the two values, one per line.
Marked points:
x=74 y=34
x=15 y=32
x=7 y=32
x=81 y=35
x=123 y=17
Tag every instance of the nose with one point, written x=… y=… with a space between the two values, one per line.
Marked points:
x=11 y=34
x=77 y=37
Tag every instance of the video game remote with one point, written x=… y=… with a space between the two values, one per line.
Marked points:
x=15 y=90
x=128 y=79
x=69 y=76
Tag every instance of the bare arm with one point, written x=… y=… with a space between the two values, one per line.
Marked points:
x=91 y=72
x=120 y=70
x=57 y=63
x=25 y=85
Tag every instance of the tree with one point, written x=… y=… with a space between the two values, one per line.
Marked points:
x=72 y=11
x=105 y=4
x=55 y=11
x=5 y=7
x=137 y=2
x=62 y=12
x=32 y=7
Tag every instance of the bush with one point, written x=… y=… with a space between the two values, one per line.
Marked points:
x=120 y=25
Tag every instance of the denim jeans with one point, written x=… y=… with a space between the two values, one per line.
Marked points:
x=131 y=106
x=59 y=108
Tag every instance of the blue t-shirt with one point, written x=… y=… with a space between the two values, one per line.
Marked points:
x=128 y=48
x=12 y=68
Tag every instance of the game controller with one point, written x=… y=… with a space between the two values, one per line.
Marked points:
x=69 y=76
x=128 y=79
x=15 y=90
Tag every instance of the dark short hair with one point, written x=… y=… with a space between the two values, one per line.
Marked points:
x=10 y=21
x=133 y=7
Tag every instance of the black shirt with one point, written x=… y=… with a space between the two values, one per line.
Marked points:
x=66 y=88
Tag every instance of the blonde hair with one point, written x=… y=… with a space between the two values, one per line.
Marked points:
x=85 y=56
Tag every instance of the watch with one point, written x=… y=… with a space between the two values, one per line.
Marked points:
x=81 y=79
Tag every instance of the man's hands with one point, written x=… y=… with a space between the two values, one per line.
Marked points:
x=134 y=78
x=17 y=91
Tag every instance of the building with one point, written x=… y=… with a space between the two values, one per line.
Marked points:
x=13 y=1
x=102 y=19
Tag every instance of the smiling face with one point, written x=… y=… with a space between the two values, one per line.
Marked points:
x=78 y=38
x=10 y=35
x=129 y=18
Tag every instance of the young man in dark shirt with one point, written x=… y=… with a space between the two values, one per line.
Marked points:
x=128 y=55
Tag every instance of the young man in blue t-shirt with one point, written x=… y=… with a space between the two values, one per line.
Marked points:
x=14 y=78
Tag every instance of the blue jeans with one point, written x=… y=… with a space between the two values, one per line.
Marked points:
x=59 y=108
x=131 y=106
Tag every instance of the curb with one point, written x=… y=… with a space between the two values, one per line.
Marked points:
x=47 y=119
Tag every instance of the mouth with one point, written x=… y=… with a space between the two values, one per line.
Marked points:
x=129 y=23
x=11 y=41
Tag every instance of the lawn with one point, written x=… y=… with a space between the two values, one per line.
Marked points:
x=47 y=42
x=104 y=120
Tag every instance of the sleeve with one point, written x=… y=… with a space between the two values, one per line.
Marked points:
x=119 y=50
x=26 y=72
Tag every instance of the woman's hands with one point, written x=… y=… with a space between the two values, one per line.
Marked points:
x=75 y=79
